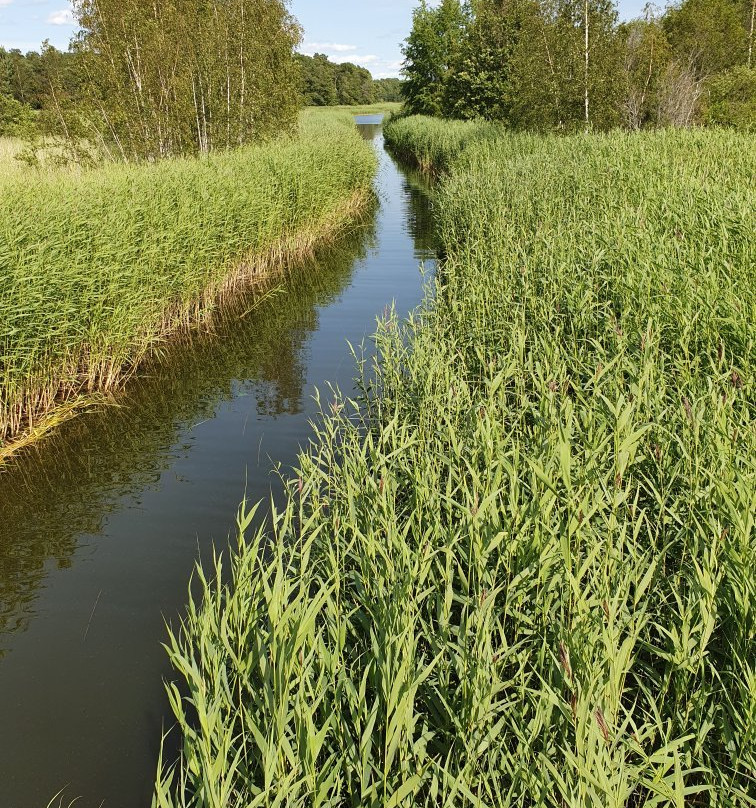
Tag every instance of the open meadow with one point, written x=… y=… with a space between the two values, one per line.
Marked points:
x=519 y=572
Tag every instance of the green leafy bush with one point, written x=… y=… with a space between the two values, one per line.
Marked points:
x=731 y=99
x=16 y=119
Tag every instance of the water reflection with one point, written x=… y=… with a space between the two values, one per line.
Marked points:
x=99 y=461
x=100 y=526
x=420 y=216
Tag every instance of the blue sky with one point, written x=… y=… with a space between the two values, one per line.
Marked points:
x=367 y=32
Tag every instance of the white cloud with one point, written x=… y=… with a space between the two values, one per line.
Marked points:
x=388 y=70
x=63 y=17
x=5 y=2
x=368 y=59
x=326 y=47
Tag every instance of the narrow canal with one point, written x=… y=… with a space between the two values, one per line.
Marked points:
x=101 y=526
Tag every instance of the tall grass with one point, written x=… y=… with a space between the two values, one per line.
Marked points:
x=9 y=148
x=520 y=571
x=433 y=144
x=9 y=165
x=97 y=268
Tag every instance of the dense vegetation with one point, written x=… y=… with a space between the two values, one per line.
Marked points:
x=388 y=90
x=16 y=119
x=563 y=64
x=183 y=78
x=97 y=268
x=100 y=264
x=25 y=77
x=39 y=92
x=324 y=83
x=520 y=572
x=33 y=86
x=151 y=80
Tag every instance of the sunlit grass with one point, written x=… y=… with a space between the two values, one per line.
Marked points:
x=18 y=160
x=377 y=108
x=99 y=266
x=520 y=573
x=9 y=148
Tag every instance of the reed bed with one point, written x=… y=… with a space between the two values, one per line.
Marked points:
x=9 y=165
x=99 y=267
x=432 y=144
x=519 y=571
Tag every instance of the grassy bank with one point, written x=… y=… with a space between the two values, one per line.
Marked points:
x=98 y=267
x=432 y=144
x=521 y=573
x=378 y=108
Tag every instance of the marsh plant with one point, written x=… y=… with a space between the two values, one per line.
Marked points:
x=98 y=268
x=518 y=572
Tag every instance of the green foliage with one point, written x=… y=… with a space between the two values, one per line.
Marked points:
x=559 y=65
x=354 y=85
x=581 y=76
x=16 y=119
x=731 y=99
x=647 y=54
x=430 y=52
x=317 y=80
x=323 y=83
x=186 y=77
x=712 y=34
x=521 y=572
x=26 y=77
x=388 y=90
x=522 y=62
x=97 y=267
x=481 y=83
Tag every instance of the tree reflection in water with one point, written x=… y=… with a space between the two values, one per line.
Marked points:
x=65 y=487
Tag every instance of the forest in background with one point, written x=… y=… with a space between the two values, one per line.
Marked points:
x=324 y=83
x=35 y=87
x=550 y=65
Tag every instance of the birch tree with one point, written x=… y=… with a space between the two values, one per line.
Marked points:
x=168 y=77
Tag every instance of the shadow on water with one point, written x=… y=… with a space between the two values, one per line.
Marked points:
x=101 y=525
x=420 y=217
x=98 y=463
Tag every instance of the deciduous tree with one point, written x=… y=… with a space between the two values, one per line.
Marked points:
x=713 y=35
x=185 y=76
x=430 y=53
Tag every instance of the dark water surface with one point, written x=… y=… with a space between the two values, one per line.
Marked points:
x=101 y=525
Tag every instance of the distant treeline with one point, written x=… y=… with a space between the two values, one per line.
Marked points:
x=40 y=90
x=324 y=83
x=147 y=80
x=25 y=85
x=567 y=64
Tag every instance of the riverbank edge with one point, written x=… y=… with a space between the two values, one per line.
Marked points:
x=253 y=272
x=280 y=632
x=414 y=140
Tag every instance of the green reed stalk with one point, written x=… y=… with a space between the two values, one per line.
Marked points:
x=98 y=268
x=520 y=571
